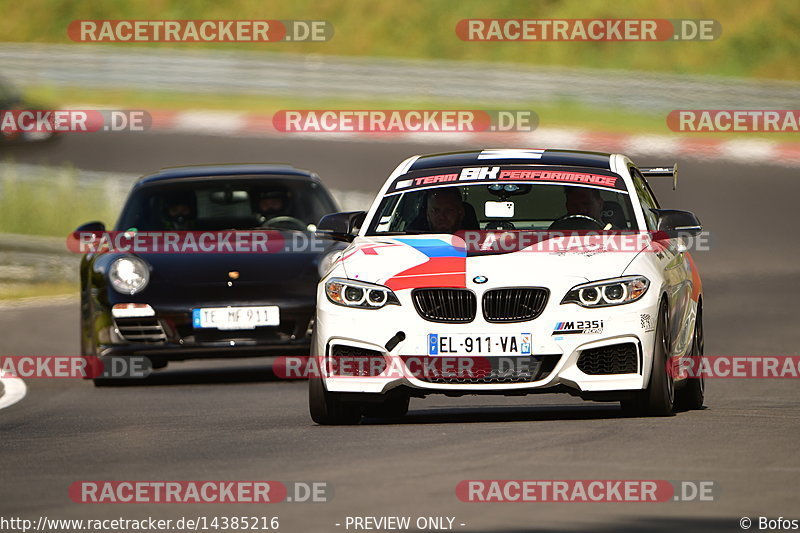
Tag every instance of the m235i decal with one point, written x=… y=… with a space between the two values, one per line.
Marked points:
x=578 y=327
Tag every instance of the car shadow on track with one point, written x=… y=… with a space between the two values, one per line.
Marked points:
x=484 y=414
x=262 y=373
x=506 y=413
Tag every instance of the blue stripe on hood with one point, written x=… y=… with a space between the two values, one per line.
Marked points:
x=435 y=247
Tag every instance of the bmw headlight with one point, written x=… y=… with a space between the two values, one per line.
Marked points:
x=128 y=275
x=351 y=293
x=608 y=292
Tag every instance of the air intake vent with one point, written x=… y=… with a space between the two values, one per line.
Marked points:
x=351 y=361
x=146 y=329
x=615 y=359
x=445 y=305
x=515 y=304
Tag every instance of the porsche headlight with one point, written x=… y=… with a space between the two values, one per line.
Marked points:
x=128 y=275
x=608 y=292
x=351 y=293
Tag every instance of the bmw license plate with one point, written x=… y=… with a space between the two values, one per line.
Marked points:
x=236 y=317
x=469 y=344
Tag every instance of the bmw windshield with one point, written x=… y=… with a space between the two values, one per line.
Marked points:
x=504 y=198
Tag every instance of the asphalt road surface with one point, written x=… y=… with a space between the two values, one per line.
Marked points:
x=235 y=420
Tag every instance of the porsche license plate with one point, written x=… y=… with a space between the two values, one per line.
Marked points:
x=236 y=317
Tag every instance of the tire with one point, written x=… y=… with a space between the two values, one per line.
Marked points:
x=395 y=406
x=158 y=364
x=88 y=346
x=658 y=398
x=327 y=408
x=691 y=396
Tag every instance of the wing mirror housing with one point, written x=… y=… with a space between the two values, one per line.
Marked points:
x=341 y=226
x=675 y=223
x=95 y=225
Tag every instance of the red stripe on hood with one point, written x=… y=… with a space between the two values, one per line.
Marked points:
x=436 y=272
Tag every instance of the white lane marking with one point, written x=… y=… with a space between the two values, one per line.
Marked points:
x=14 y=390
x=749 y=151
x=652 y=144
x=214 y=122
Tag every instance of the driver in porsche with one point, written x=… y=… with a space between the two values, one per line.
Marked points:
x=271 y=203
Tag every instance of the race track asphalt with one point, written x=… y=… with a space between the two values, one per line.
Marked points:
x=235 y=420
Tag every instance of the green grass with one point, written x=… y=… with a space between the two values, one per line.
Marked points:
x=16 y=291
x=564 y=114
x=759 y=37
x=51 y=205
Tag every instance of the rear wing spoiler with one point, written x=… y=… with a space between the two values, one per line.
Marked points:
x=662 y=172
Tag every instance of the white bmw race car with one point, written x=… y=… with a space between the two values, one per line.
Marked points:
x=509 y=272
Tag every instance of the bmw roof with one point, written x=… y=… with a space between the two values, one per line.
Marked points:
x=512 y=156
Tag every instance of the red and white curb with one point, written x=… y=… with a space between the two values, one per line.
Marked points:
x=739 y=150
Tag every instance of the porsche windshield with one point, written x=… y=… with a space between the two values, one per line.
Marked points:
x=507 y=205
x=273 y=203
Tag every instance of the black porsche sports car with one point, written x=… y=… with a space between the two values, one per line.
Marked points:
x=219 y=303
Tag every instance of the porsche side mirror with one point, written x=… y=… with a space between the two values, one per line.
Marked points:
x=92 y=226
x=86 y=235
x=341 y=226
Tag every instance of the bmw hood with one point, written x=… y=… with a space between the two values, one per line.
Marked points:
x=417 y=261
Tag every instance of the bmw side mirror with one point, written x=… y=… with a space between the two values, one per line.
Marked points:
x=675 y=222
x=341 y=226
